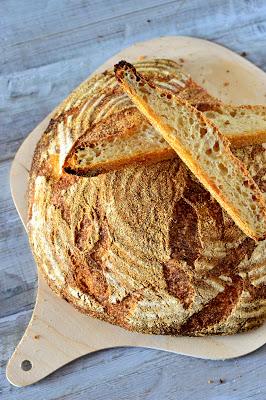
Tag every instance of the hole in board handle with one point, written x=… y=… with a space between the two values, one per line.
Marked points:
x=26 y=365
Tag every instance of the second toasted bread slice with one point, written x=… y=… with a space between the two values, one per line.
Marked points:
x=125 y=139
x=202 y=148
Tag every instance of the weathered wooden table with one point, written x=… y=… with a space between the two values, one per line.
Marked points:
x=47 y=48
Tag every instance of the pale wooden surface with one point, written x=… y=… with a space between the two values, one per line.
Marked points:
x=47 y=47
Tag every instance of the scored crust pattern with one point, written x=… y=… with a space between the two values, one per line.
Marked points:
x=145 y=247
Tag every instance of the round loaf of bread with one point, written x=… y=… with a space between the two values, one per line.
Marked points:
x=145 y=247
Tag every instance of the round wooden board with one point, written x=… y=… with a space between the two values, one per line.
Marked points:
x=57 y=333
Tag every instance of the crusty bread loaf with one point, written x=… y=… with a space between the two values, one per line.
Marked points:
x=146 y=248
x=125 y=141
x=202 y=148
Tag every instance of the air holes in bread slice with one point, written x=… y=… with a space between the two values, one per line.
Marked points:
x=216 y=147
x=203 y=132
x=180 y=121
x=223 y=169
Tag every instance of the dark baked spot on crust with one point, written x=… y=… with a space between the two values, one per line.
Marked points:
x=195 y=192
x=217 y=216
x=93 y=282
x=206 y=206
x=217 y=310
x=179 y=282
x=88 y=278
x=183 y=233
x=228 y=265
x=260 y=180
x=231 y=233
x=121 y=310
x=82 y=232
x=50 y=126
x=256 y=150
x=58 y=196
x=256 y=292
x=101 y=247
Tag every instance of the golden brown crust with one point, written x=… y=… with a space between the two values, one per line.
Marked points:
x=119 y=248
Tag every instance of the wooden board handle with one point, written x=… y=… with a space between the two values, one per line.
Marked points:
x=48 y=342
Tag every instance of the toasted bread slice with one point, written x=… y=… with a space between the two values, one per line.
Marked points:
x=125 y=139
x=202 y=147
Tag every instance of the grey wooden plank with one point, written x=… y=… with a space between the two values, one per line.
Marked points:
x=68 y=39
x=17 y=270
x=47 y=48
x=47 y=42
x=77 y=14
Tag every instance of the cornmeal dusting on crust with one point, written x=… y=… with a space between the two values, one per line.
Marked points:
x=146 y=247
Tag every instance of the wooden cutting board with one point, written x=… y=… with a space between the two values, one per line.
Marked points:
x=57 y=333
